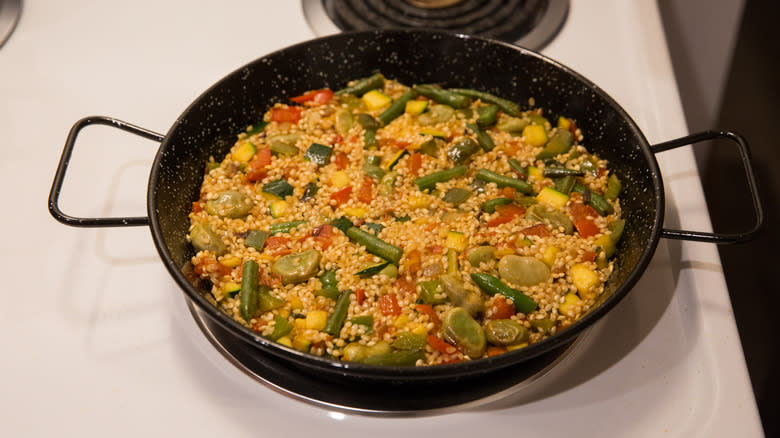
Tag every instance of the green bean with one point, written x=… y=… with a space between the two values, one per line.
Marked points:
x=285 y=227
x=456 y=196
x=488 y=115
x=330 y=285
x=559 y=172
x=601 y=205
x=429 y=181
x=505 y=181
x=560 y=143
x=375 y=245
x=517 y=167
x=362 y=86
x=445 y=97
x=396 y=108
x=369 y=140
x=483 y=138
x=336 y=319
x=398 y=358
x=506 y=106
x=452 y=262
x=373 y=160
x=460 y=152
x=387 y=183
x=366 y=321
x=249 y=295
x=492 y=285
x=490 y=206
x=367 y=122
x=256 y=128
x=613 y=187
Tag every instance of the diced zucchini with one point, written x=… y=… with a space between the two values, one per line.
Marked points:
x=415 y=107
x=230 y=289
x=537 y=119
x=396 y=158
x=606 y=245
x=535 y=135
x=389 y=271
x=301 y=343
x=371 y=270
x=552 y=197
x=437 y=133
x=535 y=174
x=244 y=152
x=456 y=240
x=318 y=154
x=585 y=279
x=340 y=179
x=285 y=340
x=281 y=148
x=570 y=305
x=231 y=261
x=278 y=208
x=316 y=319
x=564 y=123
x=549 y=254
x=357 y=212
x=375 y=99
x=280 y=188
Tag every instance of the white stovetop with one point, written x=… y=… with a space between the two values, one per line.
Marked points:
x=97 y=339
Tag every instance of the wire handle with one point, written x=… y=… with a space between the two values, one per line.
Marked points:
x=744 y=153
x=59 y=177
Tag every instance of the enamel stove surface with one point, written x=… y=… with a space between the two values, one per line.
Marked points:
x=99 y=339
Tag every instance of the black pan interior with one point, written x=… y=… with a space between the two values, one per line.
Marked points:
x=210 y=125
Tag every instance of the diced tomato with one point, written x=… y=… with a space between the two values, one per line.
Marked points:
x=432 y=316
x=505 y=214
x=399 y=144
x=366 y=190
x=501 y=309
x=440 y=345
x=337 y=139
x=495 y=350
x=580 y=213
x=360 y=295
x=508 y=192
x=388 y=305
x=342 y=195
x=572 y=127
x=276 y=243
x=341 y=160
x=256 y=170
x=589 y=256
x=317 y=96
x=540 y=230
x=259 y=324
x=415 y=163
x=412 y=260
x=196 y=207
x=406 y=286
x=207 y=265
x=435 y=249
x=290 y=114
x=324 y=230
x=324 y=242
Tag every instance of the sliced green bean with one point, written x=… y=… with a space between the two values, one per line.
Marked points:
x=601 y=205
x=492 y=285
x=559 y=172
x=505 y=181
x=490 y=206
x=507 y=106
x=362 y=86
x=330 y=285
x=442 y=96
x=560 y=143
x=397 y=107
x=488 y=115
x=336 y=319
x=282 y=148
x=483 y=138
x=565 y=184
x=613 y=187
x=375 y=245
x=517 y=167
x=375 y=172
x=429 y=181
x=456 y=196
x=285 y=227
x=282 y=327
x=249 y=294
x=369 y=140
x=367 y=122
x=386 y=184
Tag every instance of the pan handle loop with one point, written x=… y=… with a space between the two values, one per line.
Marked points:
x=744 y=154
x=59 y=177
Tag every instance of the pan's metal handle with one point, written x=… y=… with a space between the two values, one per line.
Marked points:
x=59 y=177
x=744 y=154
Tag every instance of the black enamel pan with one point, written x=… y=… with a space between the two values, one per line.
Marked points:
x=208 y=127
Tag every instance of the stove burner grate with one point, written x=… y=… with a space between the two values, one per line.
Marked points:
x=531 y=23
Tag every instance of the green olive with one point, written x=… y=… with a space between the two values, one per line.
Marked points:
x=203 y=238
x=505 y=332
x=230 y=204
x=297 y=268
x=461 y=329
x=471 y=301
x=522 y=270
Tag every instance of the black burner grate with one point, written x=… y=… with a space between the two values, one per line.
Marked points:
x=507 y=20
